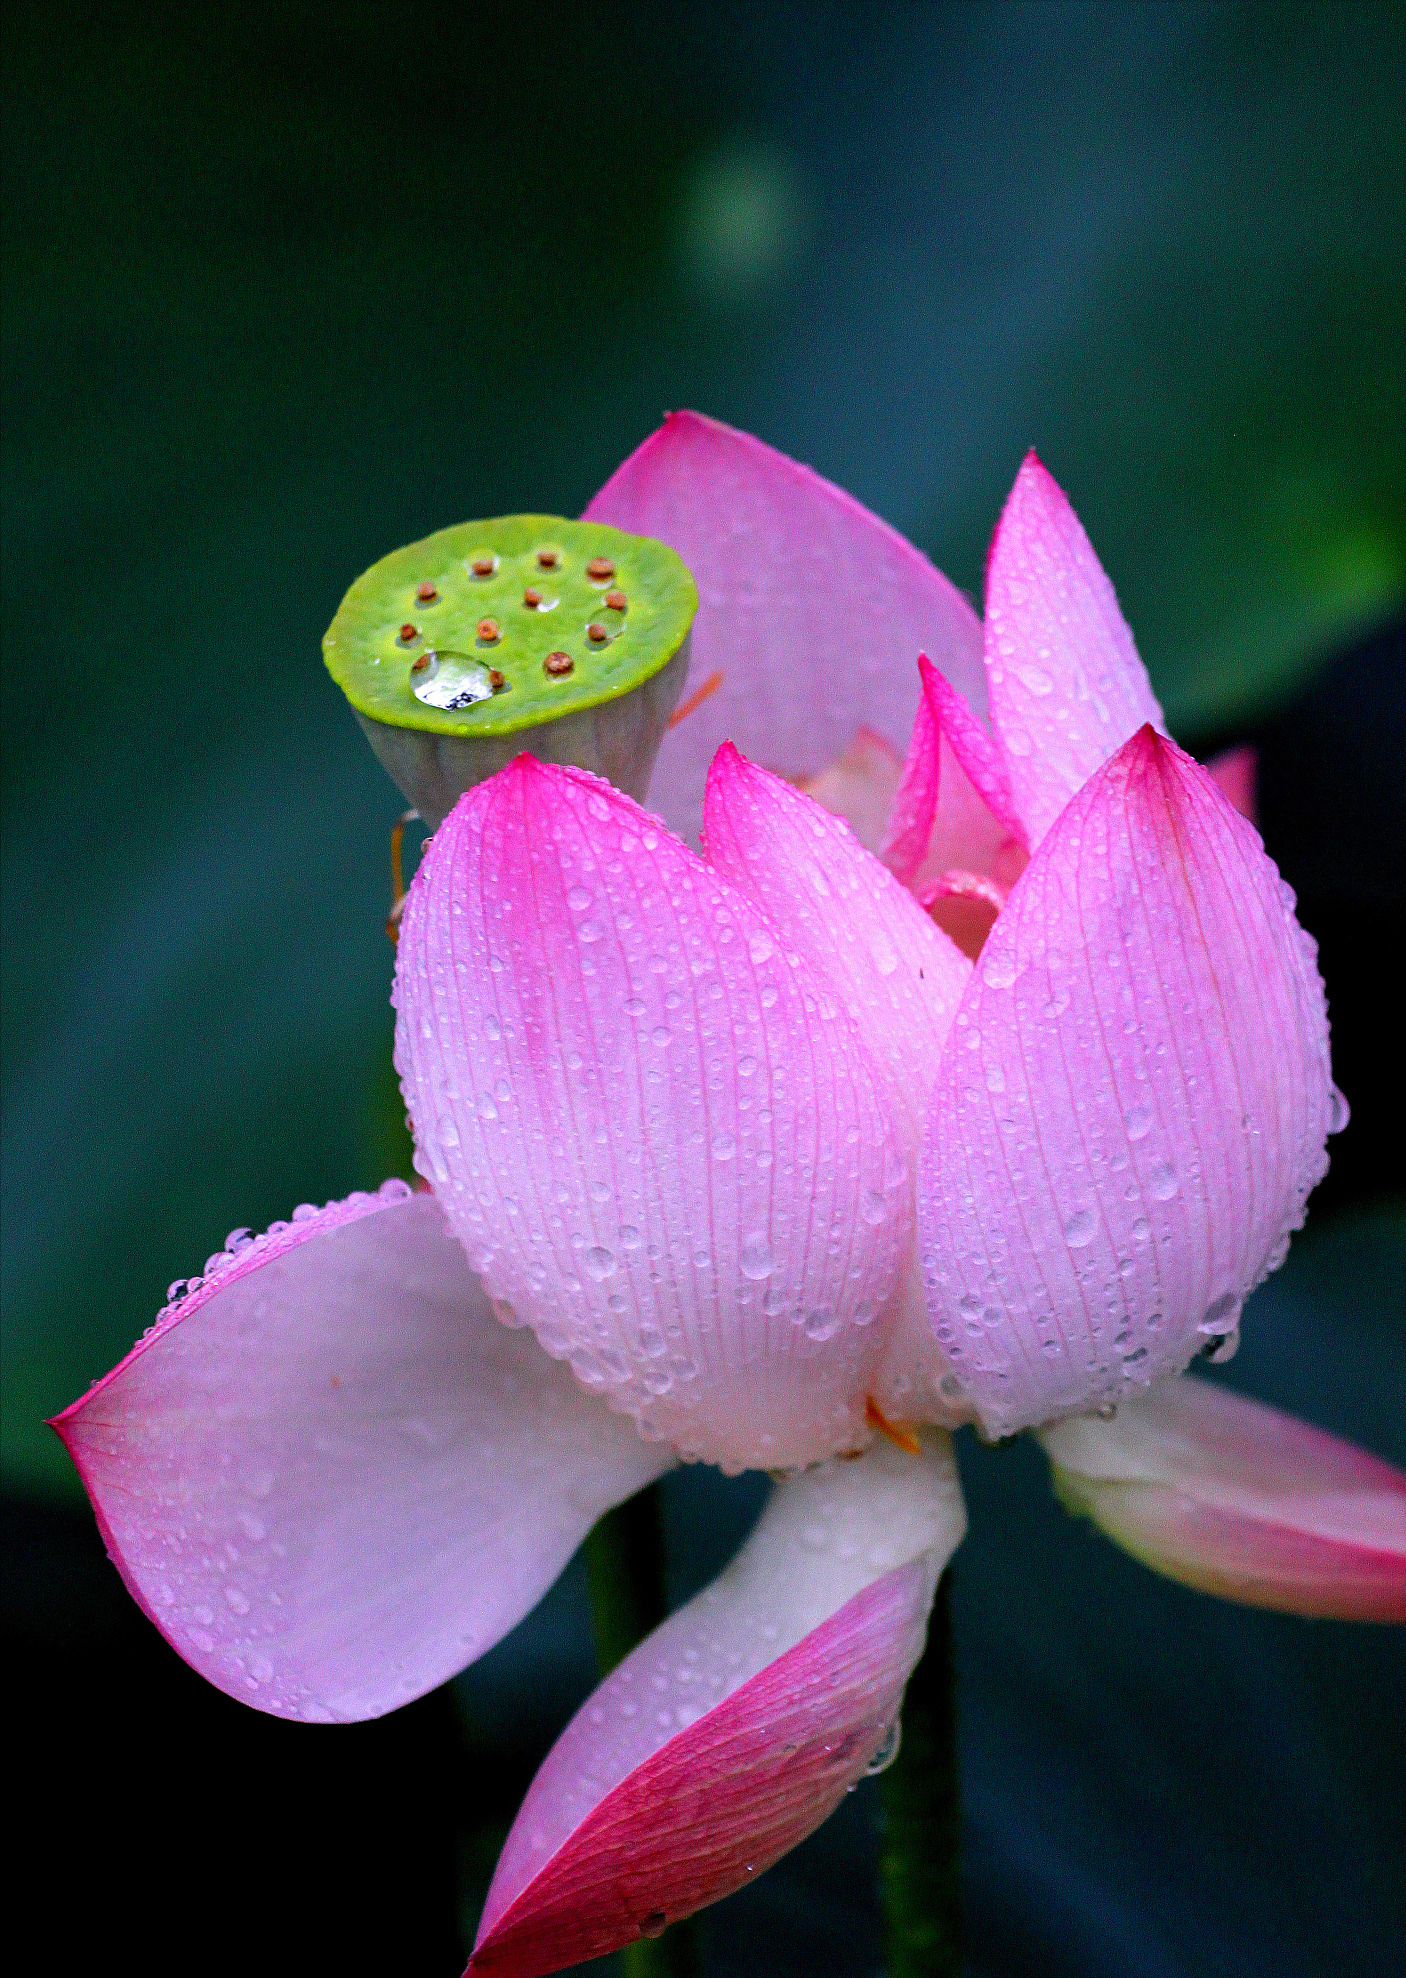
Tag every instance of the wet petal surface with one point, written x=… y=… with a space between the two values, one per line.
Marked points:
x=658 y=1132
x=1133 y=1102
x=331 y=1476
x=1066 y=685
x=735 y=1729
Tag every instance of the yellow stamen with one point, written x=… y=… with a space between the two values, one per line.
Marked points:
x=696 y=699
x=898 y=1433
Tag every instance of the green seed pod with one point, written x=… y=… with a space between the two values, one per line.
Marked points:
x=566 y=639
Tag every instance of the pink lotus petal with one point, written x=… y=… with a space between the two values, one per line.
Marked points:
x=835 y=904
x=331 y=1477
x=1067 y=687
x=735 y=1729
x=915 y=800
x=981 y=763
x=1132 y=1104
x=860 y=786
x=660 y=1136
x=1236 y=1499
x=1237 y=774
x=812 y=609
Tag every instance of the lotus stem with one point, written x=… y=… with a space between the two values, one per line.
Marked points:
x=629 y=1599
x=920 y=1859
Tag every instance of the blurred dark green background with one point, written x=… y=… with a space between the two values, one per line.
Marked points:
x=286 y=286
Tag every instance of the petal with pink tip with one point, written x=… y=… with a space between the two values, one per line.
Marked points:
x=812 y=609
x=1066 y=685
x=735 y=1729
x=915 y=800
x=659 y=1133
x=331 y=1477
x=1237 y=1499
x=899 y=976
x=1133 y=1101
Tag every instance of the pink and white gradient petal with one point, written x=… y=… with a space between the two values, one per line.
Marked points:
x=659 y=1134
x=1066 y=685
x=1133 y=1102
x=860 y=786
x=1240 y=1500
x=812 y=609
x=899 y=974
x=331 y=1477
x=737 y=1726
x=845 y=912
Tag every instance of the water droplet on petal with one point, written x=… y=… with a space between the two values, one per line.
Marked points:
x=755 y=1257
x=888 y=1750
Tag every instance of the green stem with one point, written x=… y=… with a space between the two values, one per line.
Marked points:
x=625 y=1567
x=920 y=1861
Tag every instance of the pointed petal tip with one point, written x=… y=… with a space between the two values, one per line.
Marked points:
x=1213 y=1082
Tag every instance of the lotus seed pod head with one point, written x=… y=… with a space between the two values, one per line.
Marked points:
x=567 y=640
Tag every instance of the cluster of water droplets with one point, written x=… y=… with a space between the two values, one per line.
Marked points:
x=640 y=1160
x=242 y=1246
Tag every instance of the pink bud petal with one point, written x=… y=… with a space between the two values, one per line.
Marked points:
x=860 y=786
x=658 y=1133
x=1067 y=687
x=735 y=1729
x=812 y=609
x=915 y=800
x=835 y=904
x=331 y=1477
x=1133 y=1100
x=1236 y=1499
x=1237 y=774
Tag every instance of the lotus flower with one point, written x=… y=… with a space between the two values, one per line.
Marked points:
x=980 y=1083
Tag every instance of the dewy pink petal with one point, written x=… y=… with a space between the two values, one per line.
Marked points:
x=735 y=1729
x=898 y=974
x=1133 y=1100
x=660 y=1136
x=915 y=800
x=1066 y=685
x=860 y=786
x=835 y=904
x=811 y=608
x=331 y=1477
x=1239 y=1500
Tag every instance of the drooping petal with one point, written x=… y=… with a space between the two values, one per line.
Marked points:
x=860 y=786
x=811 y=608
x=1237 y=773
x=899 y=976
x=331 y=1477
x=735 y=1729
x=1238 y=1499
x=660 y=1136
x=1133 y=1100
x=1066 y=685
